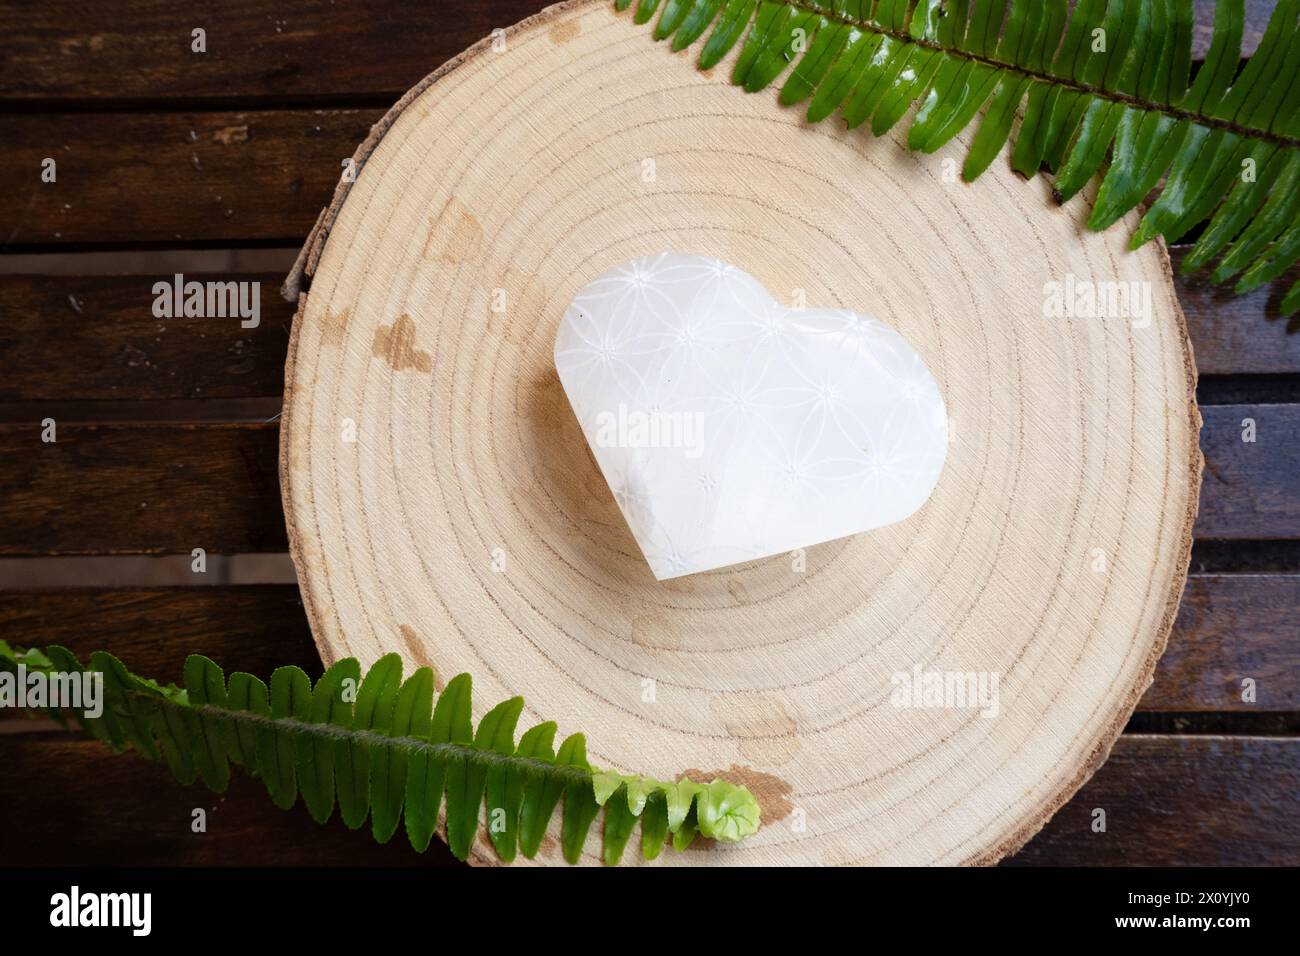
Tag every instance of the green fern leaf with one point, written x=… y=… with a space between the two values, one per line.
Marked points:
x=246 y=692
x=276 y=755
x=426 y=777
x=390 y=764
x=1291 y=302
x=206 y=686
x=542 y=790
x=1102 y=87
x=580 y=806
x=382 y=748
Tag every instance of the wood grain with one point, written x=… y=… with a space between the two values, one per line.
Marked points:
x=95 y=338
x=1182 y=801
x=1168 y=801
x=97 y=808
x=1238 y=334
x=1253 y=486
x=172 y=177
x=317 y=49
x=252 y=628
x=1229 y=627
x=167 y=488
x=515 y=171
x=114 y=489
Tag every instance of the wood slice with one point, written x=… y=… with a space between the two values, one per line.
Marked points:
x=468 y=527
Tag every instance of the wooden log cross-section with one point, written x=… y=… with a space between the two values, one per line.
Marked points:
x=468 y=525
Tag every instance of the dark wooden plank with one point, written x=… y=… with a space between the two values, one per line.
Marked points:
x=1182 y=801
x=1168 y=800
x=1238 y=334
x=87 y=806
x=83 y=338
x=1230 y=627
x=253 y=628
x=172 y=177
x=95 y=338
x=1250 y=489
x=141 y=49
x=104 y=489
x=222 y=411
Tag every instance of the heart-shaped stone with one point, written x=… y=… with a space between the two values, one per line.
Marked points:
x=730 y=427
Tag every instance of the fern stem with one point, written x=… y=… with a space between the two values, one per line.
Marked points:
x=446 y=751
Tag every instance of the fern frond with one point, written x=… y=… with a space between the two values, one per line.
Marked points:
x=1099 y=86
x=379 y=747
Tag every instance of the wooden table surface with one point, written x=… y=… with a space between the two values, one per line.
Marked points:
x=168 y=160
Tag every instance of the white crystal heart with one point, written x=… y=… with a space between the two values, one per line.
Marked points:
x=731 y=428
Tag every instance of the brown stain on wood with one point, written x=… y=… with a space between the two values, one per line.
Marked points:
x=655 y=632
x=229 y=135
x=523 y=298
x=772 y=792
x=575 y=490
x=454 y=235
x=81 y=45
x=549 y=409
x=564 y=31
x=736 y=588
x=764 y=731
x=335 y=327
x=395 y=344
x=411 y=637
